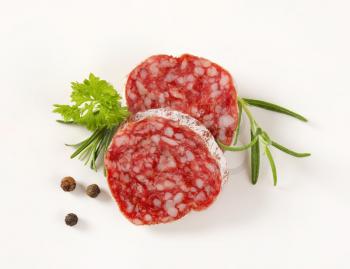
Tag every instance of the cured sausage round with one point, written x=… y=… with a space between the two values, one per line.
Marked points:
x=188 y=84
x=161 y=165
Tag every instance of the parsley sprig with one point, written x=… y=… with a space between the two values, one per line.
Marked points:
x=96 y=106
x=259 y=138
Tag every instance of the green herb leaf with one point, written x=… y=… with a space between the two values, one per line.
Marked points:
x=239 y=123
x=95 y=105
x=289 y=151
x=254 y=160
x=272 y=164
x=273 y=107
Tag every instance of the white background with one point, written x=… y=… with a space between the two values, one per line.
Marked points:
x=294 y=53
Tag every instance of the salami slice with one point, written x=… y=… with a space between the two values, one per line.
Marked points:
x=161 y=165
x=189 y=84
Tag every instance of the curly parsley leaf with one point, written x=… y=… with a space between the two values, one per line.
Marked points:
x=95 y=105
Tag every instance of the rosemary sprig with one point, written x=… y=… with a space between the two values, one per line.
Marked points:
x=260 y=138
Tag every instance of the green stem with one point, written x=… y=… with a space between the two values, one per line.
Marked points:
x=248 y=113
x=239 y=123
x=240 y=148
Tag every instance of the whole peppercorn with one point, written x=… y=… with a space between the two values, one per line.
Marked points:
x=71 y=219
x=68 y=184
x=93 y=190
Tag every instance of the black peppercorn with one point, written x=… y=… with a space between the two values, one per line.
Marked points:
x=93 y=190
x=71 y=219
x=68 y=184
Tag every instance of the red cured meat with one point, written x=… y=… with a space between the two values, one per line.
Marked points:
x=188 y=84
x=159 y=169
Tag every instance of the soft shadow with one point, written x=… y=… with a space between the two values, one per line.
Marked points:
x=237 y=163
x=79 y=190
x=104 y=196
x=238 y=204
x=82 y=225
